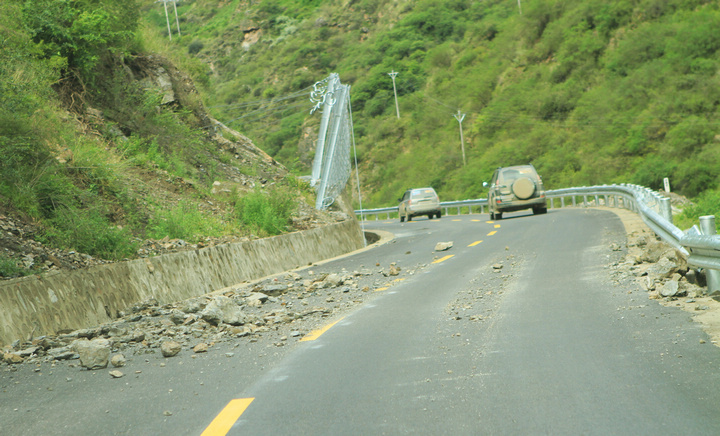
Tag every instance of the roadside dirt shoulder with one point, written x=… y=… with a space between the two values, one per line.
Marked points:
x=655 y=264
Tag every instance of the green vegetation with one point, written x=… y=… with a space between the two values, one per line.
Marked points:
x=10 y=269
x=590 y=91
x=706 y=204
x=265 y=215
x=86 y=140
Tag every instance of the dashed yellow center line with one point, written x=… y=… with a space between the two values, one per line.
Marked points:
x=317 y=333
x=227 y=418
x=384 y=288
x=497 y=226
x=457 y=220
x=492 y=233
x=490 y=222
x=399 y=280
x=443 y=259
x=475 y=221
x=474 y=243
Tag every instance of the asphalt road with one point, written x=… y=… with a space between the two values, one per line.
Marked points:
x=524 y=327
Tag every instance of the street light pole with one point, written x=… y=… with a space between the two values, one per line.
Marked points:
x=393 y=74
x=460 y=117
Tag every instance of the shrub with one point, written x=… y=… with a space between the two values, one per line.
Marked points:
x=88 y=231
x=186 y=222
x=265 y=214
x=9 y=268
x=708 y=203
x=195 y=47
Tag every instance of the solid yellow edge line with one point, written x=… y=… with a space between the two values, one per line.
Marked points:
x=443 y=259
x=227 y=418
x=316 y=333
x=492 y=233
x=474 y=243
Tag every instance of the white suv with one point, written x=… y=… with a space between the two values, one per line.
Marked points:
x=421 y=201
x=516 y=188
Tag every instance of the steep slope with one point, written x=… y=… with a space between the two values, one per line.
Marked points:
x=588 y=91
x=109 y=154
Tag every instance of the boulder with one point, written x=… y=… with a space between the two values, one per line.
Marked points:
x=170 y=348
x=443 y=246
x=223 y=309
x=94 y=354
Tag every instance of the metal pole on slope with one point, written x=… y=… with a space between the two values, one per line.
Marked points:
x=394 y=74
x=357 y=171
x=177 y=21
x=707 y=228
x=167 y=19
x=460 y=117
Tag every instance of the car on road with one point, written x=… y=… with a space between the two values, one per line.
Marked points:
x=419 y=201
x=516 y=188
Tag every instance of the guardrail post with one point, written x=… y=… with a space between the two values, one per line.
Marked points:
x=562 y=201
x=666 y=209
x=707 y=227
x=574 y=201
x=606 y=201
x=584 y=200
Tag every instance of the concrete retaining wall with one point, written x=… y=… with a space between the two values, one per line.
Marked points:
x=42 y=305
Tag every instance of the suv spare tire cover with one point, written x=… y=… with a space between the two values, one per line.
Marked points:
x=523 y=188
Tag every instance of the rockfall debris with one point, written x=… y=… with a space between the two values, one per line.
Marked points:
x=286 y=306
x=289 y=306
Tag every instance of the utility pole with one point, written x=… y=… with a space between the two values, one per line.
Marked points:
x=460 y=117
x=177 y=20
x=167 y=17
x=393 y=74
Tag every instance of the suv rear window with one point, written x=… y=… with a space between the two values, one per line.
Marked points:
x=422 y=193
x=513 y=174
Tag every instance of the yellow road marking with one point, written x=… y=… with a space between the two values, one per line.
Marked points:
x=475 y=221
x=316 y=333
x=490 y=222
x=497 y=226
x=384 y=288
x=226 y=419
x=399 y=280
x=443 y=259
x=492 y=233
x=474 y=243
x=457 y=220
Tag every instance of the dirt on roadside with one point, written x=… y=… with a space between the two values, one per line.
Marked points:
x=691 y=298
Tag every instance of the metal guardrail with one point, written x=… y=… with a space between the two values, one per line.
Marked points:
x=700 y=246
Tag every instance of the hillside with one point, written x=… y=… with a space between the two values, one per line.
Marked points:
x=111 y=148
x=590 y=91
x=108 y=153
